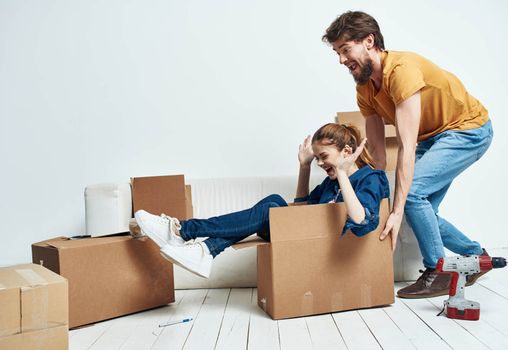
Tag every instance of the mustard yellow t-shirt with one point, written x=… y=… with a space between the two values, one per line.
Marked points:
x=445 y=103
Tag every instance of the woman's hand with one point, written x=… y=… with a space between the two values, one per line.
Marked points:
x=346 y=162
x=305 y=153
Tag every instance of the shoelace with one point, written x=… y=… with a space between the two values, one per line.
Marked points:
x=425 y=274
x=191 y=245
x=163 y=218
x=173 y=221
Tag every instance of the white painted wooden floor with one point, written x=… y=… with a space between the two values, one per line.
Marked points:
x=231 y=319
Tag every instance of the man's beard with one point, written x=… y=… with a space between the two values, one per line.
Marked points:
x=365 y=73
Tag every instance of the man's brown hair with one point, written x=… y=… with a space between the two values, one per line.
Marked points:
x=354 y=25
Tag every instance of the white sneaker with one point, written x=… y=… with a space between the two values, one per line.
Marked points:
x=192 y=256
x=161 y=229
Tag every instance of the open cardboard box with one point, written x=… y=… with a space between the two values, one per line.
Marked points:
x=357 y=119
x=309 y=268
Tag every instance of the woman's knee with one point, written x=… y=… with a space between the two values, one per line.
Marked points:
x=276 y=200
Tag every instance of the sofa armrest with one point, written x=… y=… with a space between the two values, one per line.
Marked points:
x=108 y=208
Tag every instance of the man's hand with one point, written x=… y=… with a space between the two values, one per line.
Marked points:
x=305 y=153
x=392 y=226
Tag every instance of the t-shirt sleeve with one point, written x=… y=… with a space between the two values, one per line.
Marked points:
x=404 y=81
x=364 y=104
x=370 y=191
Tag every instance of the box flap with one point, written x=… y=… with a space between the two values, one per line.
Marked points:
x=48 y=242
x=357 y=119
x=307 y=221
x=161 y=194
x=189 y=212
x=251 y=241
x=27 y=275
x=67 y=243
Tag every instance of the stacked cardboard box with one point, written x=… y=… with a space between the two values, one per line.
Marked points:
x=356 y=119
x=116 y=275
x=310 y=268
x=34 y=312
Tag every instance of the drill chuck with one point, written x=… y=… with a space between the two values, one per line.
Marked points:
x=498 y=263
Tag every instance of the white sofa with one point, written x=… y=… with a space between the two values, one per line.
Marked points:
x=108 y=208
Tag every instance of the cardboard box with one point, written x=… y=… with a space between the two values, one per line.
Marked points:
x=356 y=119
x=309 y=268
x=108 y=276
x=162 y=194
x=54 y=338
x=33 y=304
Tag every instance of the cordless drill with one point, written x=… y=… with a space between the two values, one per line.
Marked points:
x=460 y=267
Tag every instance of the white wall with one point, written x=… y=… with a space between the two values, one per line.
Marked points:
x=98 y=91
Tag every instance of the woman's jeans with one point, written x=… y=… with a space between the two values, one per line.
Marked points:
x=438 y=161
x=225 y=230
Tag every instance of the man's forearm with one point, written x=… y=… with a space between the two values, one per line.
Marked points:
x=379 y=155
x=407 y=116
x=403 y=177
x=375 y=130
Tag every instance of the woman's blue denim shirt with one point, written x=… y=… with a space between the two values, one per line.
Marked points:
x=370 y=186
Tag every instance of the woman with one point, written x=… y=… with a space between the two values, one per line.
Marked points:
x=351 y=179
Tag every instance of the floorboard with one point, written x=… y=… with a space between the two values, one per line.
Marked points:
x=235 y=324
x=231 y=319
x=263 y=331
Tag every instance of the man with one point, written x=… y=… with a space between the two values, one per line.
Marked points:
x=428 y=106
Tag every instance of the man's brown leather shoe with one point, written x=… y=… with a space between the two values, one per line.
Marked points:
x=430 y=284
x=470 y=280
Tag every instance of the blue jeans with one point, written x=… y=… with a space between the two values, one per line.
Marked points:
x=225 y=230
x=438 y=161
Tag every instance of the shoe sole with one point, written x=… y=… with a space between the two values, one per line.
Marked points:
x=176 y=262
x=412 y=296
x=415 y=296
x=478 y=275
x=474 y=279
